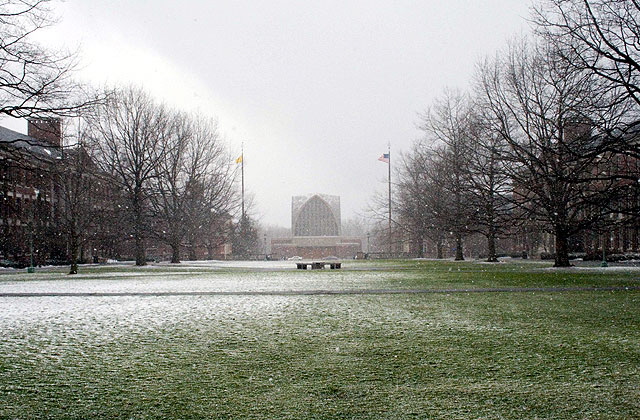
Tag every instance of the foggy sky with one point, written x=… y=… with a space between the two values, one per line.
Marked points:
x=314 y=90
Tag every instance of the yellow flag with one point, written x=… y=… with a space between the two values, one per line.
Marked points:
x=239 y=160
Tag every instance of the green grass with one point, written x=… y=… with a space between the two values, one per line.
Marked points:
x=447 y=274
x=450 y=356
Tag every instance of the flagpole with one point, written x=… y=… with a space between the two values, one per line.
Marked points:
x=242 y=177
x=389 y=199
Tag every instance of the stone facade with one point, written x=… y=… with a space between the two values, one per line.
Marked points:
x=315 y=215
x=316 y=229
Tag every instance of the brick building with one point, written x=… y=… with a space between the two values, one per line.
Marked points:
x=316 y=228
x=28 y=193
x=34 y=204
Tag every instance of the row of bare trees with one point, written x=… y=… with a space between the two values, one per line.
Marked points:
x=139 y=171
x=136 y=171
x=547 y=136
x=174 y=178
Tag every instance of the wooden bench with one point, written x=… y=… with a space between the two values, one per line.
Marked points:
x=318 y=265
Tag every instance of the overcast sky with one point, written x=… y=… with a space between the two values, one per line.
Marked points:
x=315 y=90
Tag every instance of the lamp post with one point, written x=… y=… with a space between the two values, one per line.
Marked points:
x=31 y=268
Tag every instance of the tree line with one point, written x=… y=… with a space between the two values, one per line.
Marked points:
x=137 y=171
x=174 y=175
x=546 y=139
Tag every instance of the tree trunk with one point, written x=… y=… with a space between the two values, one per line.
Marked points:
x=491 y=246
x=73 y=248
x=562 y=248
x=175 y=253
x=459 y=256
x=439 y=249
x=141 y=257
x=417 y=246
x=192 y=252
x=141 y=254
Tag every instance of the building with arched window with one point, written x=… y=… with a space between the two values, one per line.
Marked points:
x=316 y=230
x=315 y=215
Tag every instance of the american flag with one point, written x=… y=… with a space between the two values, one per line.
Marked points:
x=384 y=158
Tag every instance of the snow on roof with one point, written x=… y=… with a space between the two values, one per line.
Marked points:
x=31 y=144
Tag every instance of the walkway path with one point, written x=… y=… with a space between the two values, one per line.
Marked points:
x=329 y=292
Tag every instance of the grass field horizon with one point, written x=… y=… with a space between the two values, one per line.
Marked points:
x=571 y=354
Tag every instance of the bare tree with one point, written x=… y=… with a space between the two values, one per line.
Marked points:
x=355 y=226
x=193 y=185
x=489 y=183
x=600 y=36
x=378 y=214
x=167 y=196
x=212 y=194
x=78 y=184
x=447 y=126
x=545 y=110
x=215 y=232
x=34 y=80
x=128 y=133
x=421 y=199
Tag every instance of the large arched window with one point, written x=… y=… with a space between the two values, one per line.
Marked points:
x=315 y=219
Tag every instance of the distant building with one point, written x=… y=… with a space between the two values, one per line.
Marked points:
x=28 y=194
x=315 y=215
x=316 y=229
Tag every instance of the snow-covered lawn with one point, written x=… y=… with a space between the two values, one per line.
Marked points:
x=459 y=355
